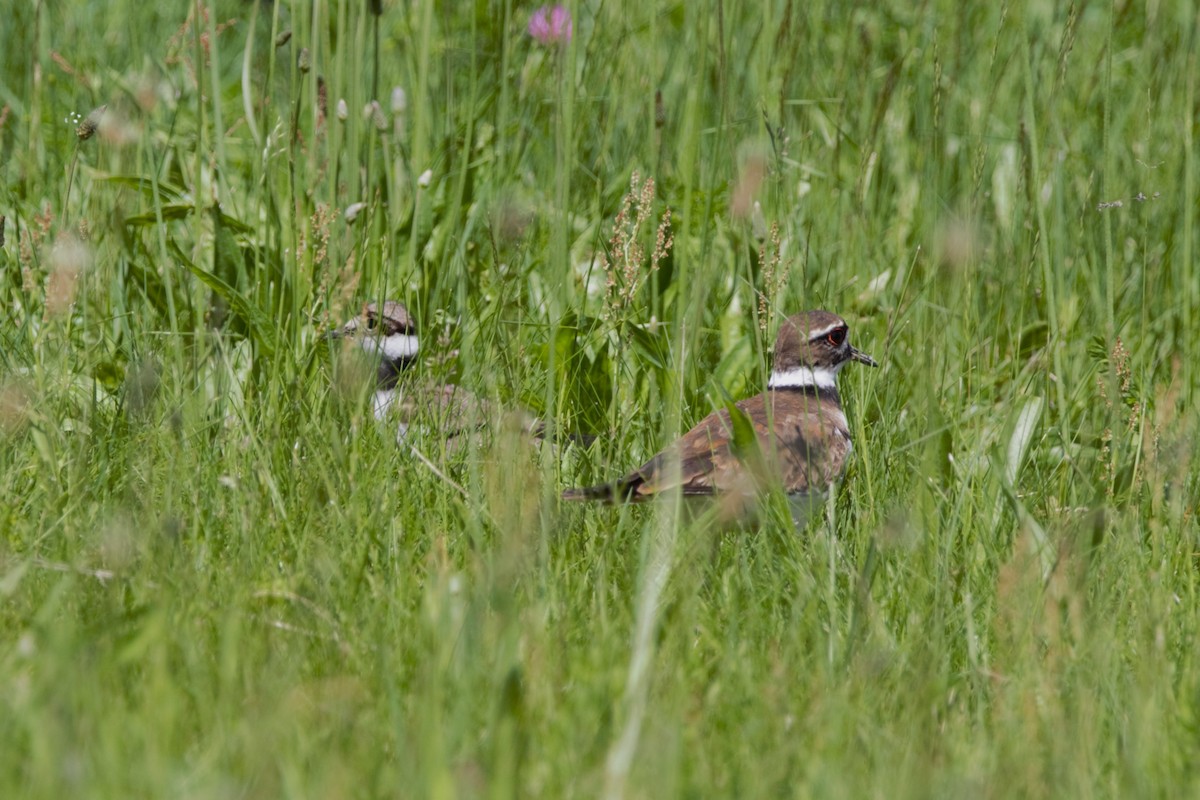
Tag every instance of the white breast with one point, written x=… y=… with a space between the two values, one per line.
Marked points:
x=383 y=403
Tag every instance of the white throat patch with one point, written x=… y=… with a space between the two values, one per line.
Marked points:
x=394 y=347
x=804 y=377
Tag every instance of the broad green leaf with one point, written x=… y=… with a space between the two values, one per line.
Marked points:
x=262 y=331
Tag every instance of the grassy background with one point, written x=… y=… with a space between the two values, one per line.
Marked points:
x=217 y=578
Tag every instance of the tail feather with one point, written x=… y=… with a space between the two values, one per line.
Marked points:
x=622 y=491
x=606 y=492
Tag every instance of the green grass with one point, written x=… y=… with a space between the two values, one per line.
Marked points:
x=218 y=578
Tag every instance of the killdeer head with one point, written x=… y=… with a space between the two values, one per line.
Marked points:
x=387 y=331
x=798 y=423
x=810 y=349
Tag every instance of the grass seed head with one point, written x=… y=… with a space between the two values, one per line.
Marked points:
x=774 y=279
x=90 y=124
x=69 y=259
x=16 y=402
x=750 y=180
x=374 y=112
x=626 y=266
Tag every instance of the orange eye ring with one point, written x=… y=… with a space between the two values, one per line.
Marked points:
x=836 y=337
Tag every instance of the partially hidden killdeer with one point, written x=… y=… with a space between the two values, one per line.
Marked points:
x=387 y=330
x=798 y=422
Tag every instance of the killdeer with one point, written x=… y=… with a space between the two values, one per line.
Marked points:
x=798 y=422
x=387 y=331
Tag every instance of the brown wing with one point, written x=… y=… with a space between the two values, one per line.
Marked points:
x=448 y=409
x=808 y=451
x=821 y=456
x=454 y=411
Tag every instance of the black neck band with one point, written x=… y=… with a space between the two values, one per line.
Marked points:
x=829 y=395
x=388 y=374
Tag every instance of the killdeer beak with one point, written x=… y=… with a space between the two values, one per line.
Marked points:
x=341 y=332
x=861 y=357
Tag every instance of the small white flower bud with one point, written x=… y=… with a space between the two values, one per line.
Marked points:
x=352 y=211
x=399 y=100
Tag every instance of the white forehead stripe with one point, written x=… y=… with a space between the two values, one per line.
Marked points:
x=803 y=377
x=817 y=333
x=396 y=346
